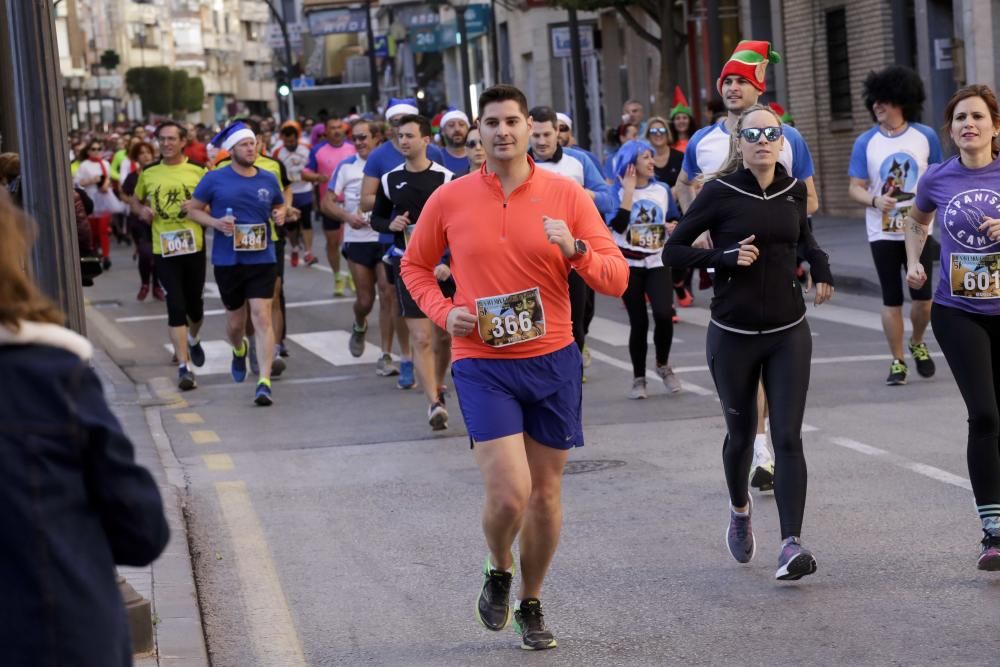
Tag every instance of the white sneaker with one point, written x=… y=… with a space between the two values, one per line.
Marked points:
x=762 y=470
x=670 y=380
x=638 y=391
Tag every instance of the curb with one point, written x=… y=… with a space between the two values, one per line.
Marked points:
x=169 y=582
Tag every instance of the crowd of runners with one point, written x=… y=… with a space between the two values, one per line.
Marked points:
x=483 y=241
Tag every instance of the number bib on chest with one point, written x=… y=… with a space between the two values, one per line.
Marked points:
x=177 y=242
x=975 y=276
x=650 y=236
x=509 y=319
x=250 y=237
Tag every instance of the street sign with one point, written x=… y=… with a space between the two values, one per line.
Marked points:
x=561 y=42
x=477 y=22
x=382 y=45
x=425 y=40
x=418 y=17
x=338 y=21
x=275 y=39
x=303 y=82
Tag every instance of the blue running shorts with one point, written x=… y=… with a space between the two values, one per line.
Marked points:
x=540 y=396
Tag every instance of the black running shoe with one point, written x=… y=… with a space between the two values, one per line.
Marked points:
x=922 y=357
x=897 y=373
x=493 y=608
x=185 y=379
x=529 y=623
x=197 y=353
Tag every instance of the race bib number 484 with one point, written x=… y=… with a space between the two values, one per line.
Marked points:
x=975 y=276
x=509 y=319
x=177 y=242
x=250 y=237
x=650 y=236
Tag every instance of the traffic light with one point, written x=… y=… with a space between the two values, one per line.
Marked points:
x=283 y=84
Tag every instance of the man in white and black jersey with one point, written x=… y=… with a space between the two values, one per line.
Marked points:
x=741 y=84
x=399 y=200
x=294 y=154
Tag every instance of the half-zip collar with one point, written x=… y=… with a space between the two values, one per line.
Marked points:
x=493 y=183
x=744 y=182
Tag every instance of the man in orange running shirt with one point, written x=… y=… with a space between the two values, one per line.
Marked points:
x=514 y=233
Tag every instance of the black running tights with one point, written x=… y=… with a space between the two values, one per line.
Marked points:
x=581 y=299
x=971 y=345
x=782 y=360
x=656 y=284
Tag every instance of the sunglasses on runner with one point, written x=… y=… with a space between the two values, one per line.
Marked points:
x=359 y=137
x=657 y=130
x=752 y=134
x=472 y=143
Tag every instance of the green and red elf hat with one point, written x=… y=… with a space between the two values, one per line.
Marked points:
x=785 y=116
x=680 y=104
x=749 y=60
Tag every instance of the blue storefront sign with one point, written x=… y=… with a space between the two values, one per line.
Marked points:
x=477 y=22
x=382 y=46
x=337 y=21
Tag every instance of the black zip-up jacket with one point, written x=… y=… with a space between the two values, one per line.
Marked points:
x=764 y=296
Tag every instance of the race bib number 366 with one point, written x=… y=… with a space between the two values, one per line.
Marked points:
x=975 y=276
x=509 y=319
x=250 y=237
x=650 y=236
x=177 y=242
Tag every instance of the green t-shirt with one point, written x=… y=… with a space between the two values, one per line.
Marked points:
x=165 y=188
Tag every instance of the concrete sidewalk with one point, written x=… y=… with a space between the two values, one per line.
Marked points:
x=169 y=582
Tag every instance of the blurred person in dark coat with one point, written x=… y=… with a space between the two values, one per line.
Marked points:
x=74 y=500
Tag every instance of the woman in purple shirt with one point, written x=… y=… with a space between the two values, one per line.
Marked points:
x=965 y=192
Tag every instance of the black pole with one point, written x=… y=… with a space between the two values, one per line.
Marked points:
x=582 y=120
x=45 y=181
x=495 y=42
x=289 y=63
x=372 y=63
x=463 y=57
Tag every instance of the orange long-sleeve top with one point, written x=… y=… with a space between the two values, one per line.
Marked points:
x=499 y=246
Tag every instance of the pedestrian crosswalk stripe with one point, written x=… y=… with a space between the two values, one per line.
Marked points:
x=611 y=332
x=625 y=366
x=331 y=346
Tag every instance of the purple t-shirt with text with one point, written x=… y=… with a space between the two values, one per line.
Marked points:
x=970 y=260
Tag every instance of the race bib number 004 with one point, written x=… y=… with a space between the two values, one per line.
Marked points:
x=649 y=236
x=177 y=242
x=975 y=276
x=509 y=319
x=251 y=237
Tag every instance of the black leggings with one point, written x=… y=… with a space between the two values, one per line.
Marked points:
x=656 y=284
x=782 y=359
x=581 y=299
x=971 y=345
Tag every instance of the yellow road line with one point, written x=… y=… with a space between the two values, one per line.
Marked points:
x=272 y=631
x=189 y=418
x=204 y=437
x=218 y=462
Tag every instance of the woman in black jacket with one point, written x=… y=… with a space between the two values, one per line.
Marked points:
x=74 y=500
x=756 y=216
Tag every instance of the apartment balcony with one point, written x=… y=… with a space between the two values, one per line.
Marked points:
x=256 y=51
x=255 y=91
x=256 y=12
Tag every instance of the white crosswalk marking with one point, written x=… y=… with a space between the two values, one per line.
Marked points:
x=331 y=346
x=615 y=333
x=651 y=375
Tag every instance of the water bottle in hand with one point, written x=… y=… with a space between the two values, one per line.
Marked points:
x=229 y=214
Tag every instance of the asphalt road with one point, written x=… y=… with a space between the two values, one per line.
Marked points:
x=336 y=529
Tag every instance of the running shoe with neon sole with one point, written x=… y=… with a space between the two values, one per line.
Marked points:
x=384 y=366
x=339 y=283
x=350 y=283
x=897 y=373
x=406 y=379
x=739 y=534
x=529 y=623
x=989 y=553
x=197 y=353
x=263 y=395
x=686 y=300
x=794 y=561
x=922 y=357
x=437 y=416
x=238 y=369
x=356 y=344
x=493 y=607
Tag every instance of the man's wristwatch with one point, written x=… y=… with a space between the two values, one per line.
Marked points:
x=581 y=249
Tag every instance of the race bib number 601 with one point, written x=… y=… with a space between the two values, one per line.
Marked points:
x=975 y=276
x=509 y=319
